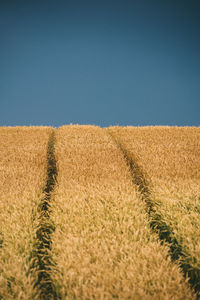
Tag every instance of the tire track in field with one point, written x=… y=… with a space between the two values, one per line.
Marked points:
x=41 y=257
x=157 y=224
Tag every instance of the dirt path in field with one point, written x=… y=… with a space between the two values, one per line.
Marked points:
x=157 y=224
x=42 y=260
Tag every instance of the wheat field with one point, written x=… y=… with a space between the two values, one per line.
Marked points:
x=23 y=175
x=99 y=213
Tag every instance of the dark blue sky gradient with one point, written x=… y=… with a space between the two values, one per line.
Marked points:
x=100 y=62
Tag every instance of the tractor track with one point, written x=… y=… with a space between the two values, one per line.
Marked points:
x=42 y=261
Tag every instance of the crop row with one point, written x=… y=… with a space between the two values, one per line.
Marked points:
x=103 y=245
x=168 y=158
x=23 y=176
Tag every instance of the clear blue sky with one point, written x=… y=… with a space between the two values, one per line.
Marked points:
x=100 y=62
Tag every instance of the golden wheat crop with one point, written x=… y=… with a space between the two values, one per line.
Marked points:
x=23 y=175
x=169 y=158
x=103 y=246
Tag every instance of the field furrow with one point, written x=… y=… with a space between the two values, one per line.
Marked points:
x=41 y=255
x=103 y=245
x=23 y=165
x=164 y=163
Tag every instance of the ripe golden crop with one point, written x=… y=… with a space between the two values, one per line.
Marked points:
x=23 y=175
x=103 y=245
x=169 y=159
x=80 y=211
